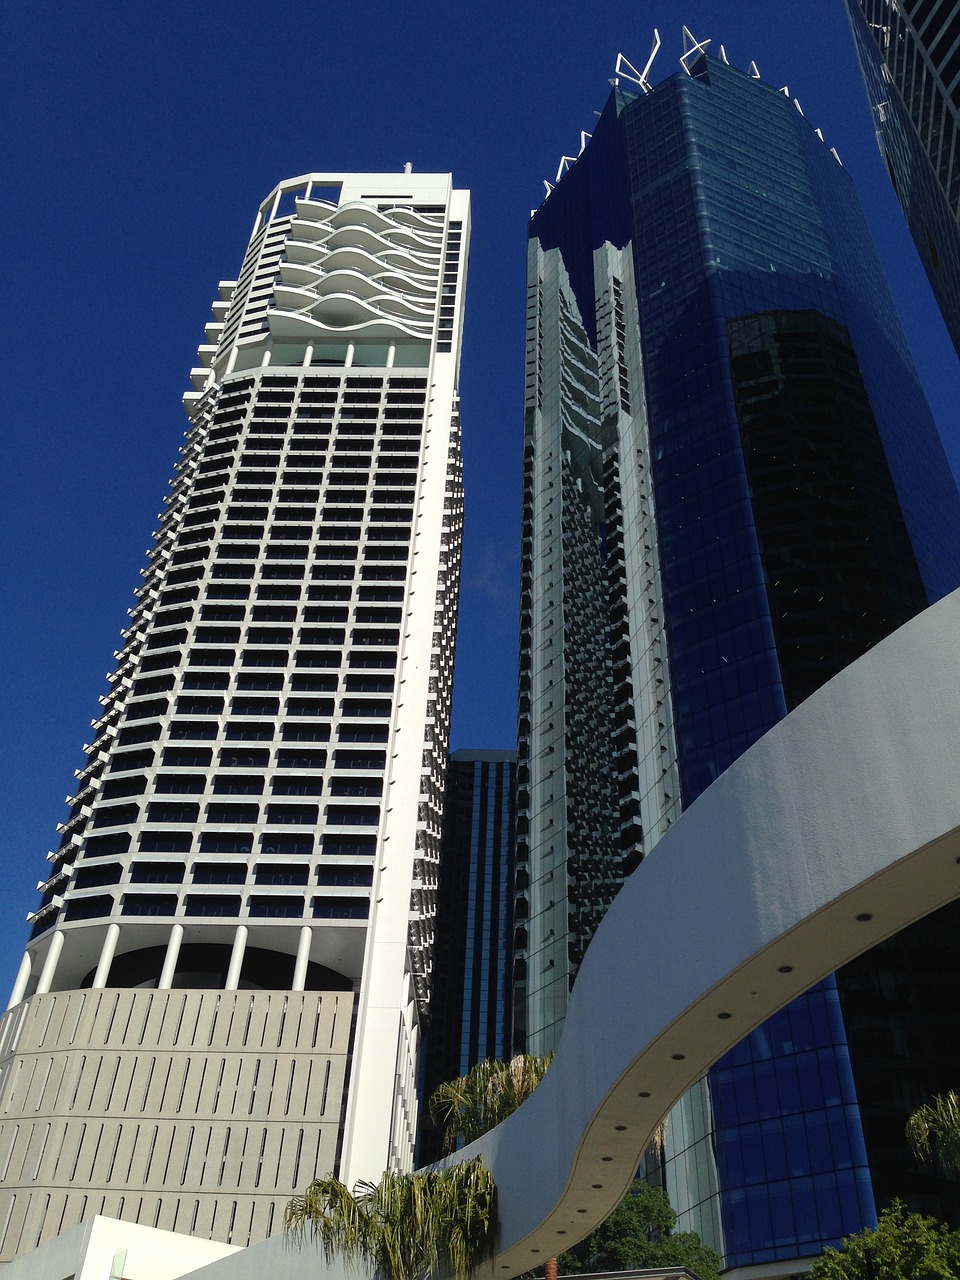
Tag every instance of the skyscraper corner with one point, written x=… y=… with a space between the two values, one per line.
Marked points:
x=242 y=896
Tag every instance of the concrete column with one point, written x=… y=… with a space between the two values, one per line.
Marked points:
x=50 y=964
x=303 y=959
x=23 y=978
x=231 y=362
x=267 y=353
x=308 y=356
x=170 y=959
x=351 y=352
x=236 y=958
x=391 y=354
x=106 y=956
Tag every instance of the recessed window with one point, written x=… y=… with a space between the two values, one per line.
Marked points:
x=297 y=786
x=180 y=783
x=282 y=906
x=157 y=872
x=211 y=904
x=346 y=786
x=281 y=873
x=301 y=759
x=219 y=873
x=238 y=784
x=292 y=814
x=165 y=841
x=149 y=904
x=226 y=842
x=233 y=813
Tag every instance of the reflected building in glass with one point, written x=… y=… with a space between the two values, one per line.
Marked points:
x=471 y=1011
x=909 y=55
x=733 y=487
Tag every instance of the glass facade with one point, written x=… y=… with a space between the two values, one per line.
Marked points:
x=471 y=1011
x=909 y=56
x=775 y=501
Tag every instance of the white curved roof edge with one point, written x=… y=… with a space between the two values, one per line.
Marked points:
x=838 y=828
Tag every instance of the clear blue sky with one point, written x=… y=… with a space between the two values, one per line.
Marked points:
x=140 y=140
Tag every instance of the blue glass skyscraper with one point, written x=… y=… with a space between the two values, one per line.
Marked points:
x=910 y=59
x=732 y=488
x=471 y=1013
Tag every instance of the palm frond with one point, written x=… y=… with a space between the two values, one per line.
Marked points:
x=473 y=1104
x=408 y=1225
x=933 y=1132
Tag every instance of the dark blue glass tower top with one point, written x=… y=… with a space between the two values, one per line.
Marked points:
x=803 y=509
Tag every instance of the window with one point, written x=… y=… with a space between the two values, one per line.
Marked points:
x=258 y=681
x=238 y=784
x=219 y=873
x=192 y=706
x=149 y=904
x=180 y=783
x=244 y=758
x=165 y=841
x=297 y=786
x=211 y=658
x=281 y=905
x=309 y=706
x=197 y=730
x=329 y=908
x=281 y=873
x=205 y=680
x=226 y=842
x=117 y=787
x=233 y=813
x=292 y=814
x=265 y=658
x=255 y=706
x=299 y=759
x=342 y=786
x=359 y=760
x=160 y=811
x=352 y=815
x=286 y=845
x=349 y=846
x=305 y=731
x=131 y=760
x=116 y=815
x=157 y=872
x=255 y=731
x=187 y=757
x=94 y=877
x=364 y=733
x=211 y=904
x=345 y=875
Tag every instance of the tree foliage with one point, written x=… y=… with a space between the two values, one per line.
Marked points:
x=933 y=1132
x=407 y=1226
x=905 y=1246
x=639 y=1233
x=473 y=1104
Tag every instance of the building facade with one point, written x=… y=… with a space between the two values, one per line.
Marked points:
x=732 y=488
x=471 y=1005
x=242 y=897
x=909 y=53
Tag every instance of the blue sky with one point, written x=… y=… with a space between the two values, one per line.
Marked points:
x=140 y=141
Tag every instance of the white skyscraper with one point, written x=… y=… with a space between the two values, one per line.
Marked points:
x=223 y=990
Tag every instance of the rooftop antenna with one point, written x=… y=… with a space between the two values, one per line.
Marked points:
x=691 y=48
x=625 y=70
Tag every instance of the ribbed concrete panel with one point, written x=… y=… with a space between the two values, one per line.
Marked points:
x=198 y=1111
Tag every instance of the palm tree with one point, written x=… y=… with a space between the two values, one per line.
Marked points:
x=473 y=1104
x=933 y=1132
x=408 y=1225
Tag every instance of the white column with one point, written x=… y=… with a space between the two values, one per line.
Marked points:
x=170 y=959
x=50 y=964
x=106 y=956
x=231 y=362
x=308 y=356
x=236 y=958
x=391 y=354
x=303 y=959
x=351 y=351
x=267 y=352
x=23 y=978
